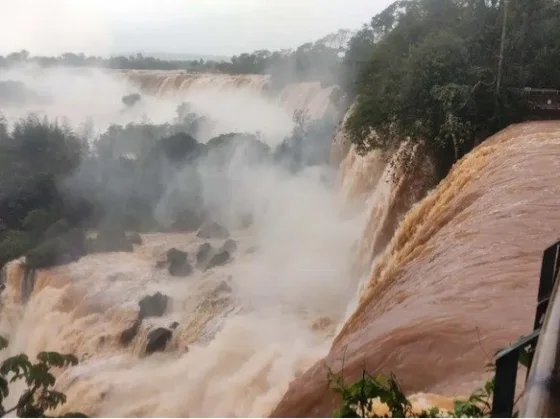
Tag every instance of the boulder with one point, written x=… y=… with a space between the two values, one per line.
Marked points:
x=157 y=340
x=229 y=246
x=129 y=334
x=204 y=254
x=220 y=258
x=153 y=305
x=213 y=230
x=178 y=265
x=130 y=100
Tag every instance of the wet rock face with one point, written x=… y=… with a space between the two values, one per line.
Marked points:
x=229 y=246
x=153 y=305
x=213 y=231
x=150 y=306
x=131 y=100
x=219 y=259
x=178 y=264
x=204 y=254
x=207 y=257
x=129 y=334
x=158 y=339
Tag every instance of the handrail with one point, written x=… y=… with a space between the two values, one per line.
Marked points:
x=543 y=379
x=541 y=397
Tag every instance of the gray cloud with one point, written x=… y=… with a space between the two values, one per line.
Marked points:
x=221 y=27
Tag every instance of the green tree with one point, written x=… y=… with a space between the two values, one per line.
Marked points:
x=39 y=396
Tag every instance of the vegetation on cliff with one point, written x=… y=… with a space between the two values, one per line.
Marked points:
x=381 y=396
x=429 y=70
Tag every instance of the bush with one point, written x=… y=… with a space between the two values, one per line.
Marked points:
x=358 y=399
x=39 y=396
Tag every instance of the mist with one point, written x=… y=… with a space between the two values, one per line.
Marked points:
x=229 y=153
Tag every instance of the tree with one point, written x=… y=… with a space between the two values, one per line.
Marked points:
x=39 y=397
x=427 y=70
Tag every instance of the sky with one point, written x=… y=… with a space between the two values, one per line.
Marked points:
x=213 y=27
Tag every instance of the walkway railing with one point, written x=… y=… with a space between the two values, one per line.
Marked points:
x=539 y=351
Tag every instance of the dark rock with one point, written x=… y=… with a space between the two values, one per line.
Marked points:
x=178 y=265
x=174 y=325
x=158 y=339
x=131 y=99
x=204 y=254
x=180 y=270
x=153 y=305
x=176 y=256
x=134 y=238
x=187 y=221
x=218 y=259
x=213 y=231
x=229 y=246
x=129 y=334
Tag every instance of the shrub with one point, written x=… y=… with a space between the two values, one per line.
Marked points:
x=358 y=399
x=39 y=396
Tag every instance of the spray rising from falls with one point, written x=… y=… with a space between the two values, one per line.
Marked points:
x=92 y=97
x=234 y=335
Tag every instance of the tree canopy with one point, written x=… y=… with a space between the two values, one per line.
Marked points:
x=428 y=69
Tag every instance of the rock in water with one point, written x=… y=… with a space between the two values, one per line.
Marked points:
x=129 y=334
x=130 y=100
x=213 y=231
x=229 y=246
x=178 y=265
x=203 y=255
x=219 y=259
x=153 y=305
x=157 y=340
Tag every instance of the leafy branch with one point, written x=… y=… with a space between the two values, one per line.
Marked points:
x=39 y=396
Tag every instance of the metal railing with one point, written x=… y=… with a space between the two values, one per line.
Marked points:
x=540 y=350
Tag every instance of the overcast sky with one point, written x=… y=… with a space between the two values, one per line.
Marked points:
x=215 y=27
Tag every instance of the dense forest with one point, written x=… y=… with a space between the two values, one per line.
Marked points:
x=429 y=70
